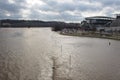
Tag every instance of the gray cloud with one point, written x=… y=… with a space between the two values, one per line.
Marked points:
x=68 y=10
x=109 y=2
x=9 y=8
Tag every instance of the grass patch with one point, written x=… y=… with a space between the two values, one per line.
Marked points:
x=93 y=35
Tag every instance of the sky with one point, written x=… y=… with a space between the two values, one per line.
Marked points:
x=57 y=10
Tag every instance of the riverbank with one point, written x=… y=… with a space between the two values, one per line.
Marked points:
x=94 y=35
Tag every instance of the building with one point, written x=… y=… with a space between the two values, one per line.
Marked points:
x=96 y=21
x=114 y=26
x=116 y=22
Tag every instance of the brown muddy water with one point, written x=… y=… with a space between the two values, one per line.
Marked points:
x=40 y=54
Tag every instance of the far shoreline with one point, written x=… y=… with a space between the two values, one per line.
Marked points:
x=92 y=36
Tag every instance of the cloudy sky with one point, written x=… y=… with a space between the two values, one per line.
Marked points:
x=60 y=10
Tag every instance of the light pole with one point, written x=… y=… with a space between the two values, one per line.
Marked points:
x=0 y=23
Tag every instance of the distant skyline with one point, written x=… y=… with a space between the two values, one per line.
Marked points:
x=57 y=10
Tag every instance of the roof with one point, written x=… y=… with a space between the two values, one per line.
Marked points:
x=100 y=17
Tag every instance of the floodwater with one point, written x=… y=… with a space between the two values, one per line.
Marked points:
x=40 y=54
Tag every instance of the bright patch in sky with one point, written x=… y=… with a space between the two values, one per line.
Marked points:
x=63 y=10
x=11 y=1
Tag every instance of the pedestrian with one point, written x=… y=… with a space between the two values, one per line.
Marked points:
x=109 y=43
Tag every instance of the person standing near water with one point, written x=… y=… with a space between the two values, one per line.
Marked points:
x=109 y=43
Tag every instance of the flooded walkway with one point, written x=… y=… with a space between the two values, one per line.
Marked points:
x=40 y=54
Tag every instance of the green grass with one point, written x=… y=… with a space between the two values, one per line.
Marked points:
x=114 y=37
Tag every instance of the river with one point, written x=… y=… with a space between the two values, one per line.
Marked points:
x=40 y=54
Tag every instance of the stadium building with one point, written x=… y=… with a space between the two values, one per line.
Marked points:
x=115 y=25
x=116 y=22
x=96 y=21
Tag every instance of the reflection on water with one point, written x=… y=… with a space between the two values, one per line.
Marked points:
x=29 y=54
